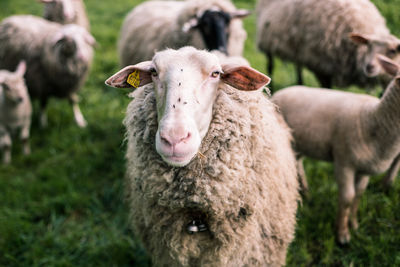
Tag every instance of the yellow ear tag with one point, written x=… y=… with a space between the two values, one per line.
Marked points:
x=134 y=79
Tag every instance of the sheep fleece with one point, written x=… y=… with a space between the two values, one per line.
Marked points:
x=245 y=187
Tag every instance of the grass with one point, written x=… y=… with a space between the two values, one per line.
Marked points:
x=63 y=205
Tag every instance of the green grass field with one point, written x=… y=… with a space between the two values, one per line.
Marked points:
x=63 y=205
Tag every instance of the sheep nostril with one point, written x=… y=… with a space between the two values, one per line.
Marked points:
x=165 y=141
x=185 y=139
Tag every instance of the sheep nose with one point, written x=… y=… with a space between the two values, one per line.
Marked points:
x=370 y=68
x=20 y=99
x=175 y=138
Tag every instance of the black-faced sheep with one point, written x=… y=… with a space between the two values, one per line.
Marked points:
x=156 y=25
x=359 y=133
x=207 y=186
x=337 y=40
x=15 y=110
x=58 y=58
x=66 y=12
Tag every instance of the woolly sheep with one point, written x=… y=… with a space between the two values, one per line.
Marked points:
x=199 y=162
x=58 y=58
x=15 y=110
x=66 y=12
x=338 y=40
x=156 y=25
x=359 y=133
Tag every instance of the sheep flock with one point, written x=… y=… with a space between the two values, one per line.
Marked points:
x=215 y=145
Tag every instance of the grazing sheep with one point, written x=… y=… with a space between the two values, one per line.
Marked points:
x=66 y=12
x=206 y=185
x=156 y=25
x=58 y=58
x=359 y=133
x=338 y=40
x=15 y=110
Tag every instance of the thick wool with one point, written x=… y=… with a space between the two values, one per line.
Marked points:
x=32 y=39
x=53 y=11
x=149 y=28
x=315 y=34
x=243 y=187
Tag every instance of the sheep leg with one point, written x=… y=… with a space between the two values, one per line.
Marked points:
x=324 y=80
x=302 y=175
x=299 y=71
x=5 y=145
x=24 y=136
x=43 y=114
x=361 y=185
x=80 y=120
x=391 y=174
x=270 y=69
x=345 y=178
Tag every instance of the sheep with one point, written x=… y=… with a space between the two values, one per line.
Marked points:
x=358 y=133
x=337 y=40
x=206 y=185
x=15 y=110
x=155 y=25
x=58 y=58
x=66 y=12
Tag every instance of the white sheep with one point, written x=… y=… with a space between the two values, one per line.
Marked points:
x=15 y=110
x=156 y=25
x=359 y=133
x=58 y=58
x=66 y=12
x=338 y=40
x=206 y=185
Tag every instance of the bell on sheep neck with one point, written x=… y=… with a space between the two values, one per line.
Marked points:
x=196 y=226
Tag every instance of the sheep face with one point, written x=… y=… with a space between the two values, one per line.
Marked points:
x=185 y=85
x=213 y=25
x=59 y=10
x=388 y=46
x=71 y=46
x=13 y=85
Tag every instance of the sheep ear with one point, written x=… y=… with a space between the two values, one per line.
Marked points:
x=388 y=65
x=240 y=13
x=132 y=76
x=21 y=68
x=358 y=38
x=192 y=23
x=244 y=78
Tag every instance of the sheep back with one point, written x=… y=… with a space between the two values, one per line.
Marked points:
x=156 y=25
x=245 y=187
x=315 y=34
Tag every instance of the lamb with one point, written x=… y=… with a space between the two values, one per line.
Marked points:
x=66 y=12
x=338 y=40
x=206 y=185
x=156 y=25
x=15 y=110
x=359 y=133
x=58 y=58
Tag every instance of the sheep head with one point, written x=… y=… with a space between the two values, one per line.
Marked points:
x=387 y=45
x=61 y=11
x=213 y=25
x=185 y=86
x=13 y=85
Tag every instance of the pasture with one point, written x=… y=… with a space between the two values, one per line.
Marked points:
x=64 y=204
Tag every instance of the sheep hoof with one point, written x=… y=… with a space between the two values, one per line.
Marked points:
x=344 y=238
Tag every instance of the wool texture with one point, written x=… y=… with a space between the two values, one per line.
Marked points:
x=243 y=186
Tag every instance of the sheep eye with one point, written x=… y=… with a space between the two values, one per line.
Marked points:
x=5 y=87
x=215 y=74
x=153 y=72
x=391 y=52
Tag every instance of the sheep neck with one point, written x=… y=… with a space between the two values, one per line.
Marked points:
x=384 y=122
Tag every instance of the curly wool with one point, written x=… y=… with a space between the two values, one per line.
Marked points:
x=315 y=34
x=245 y=188
x=149 y=28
